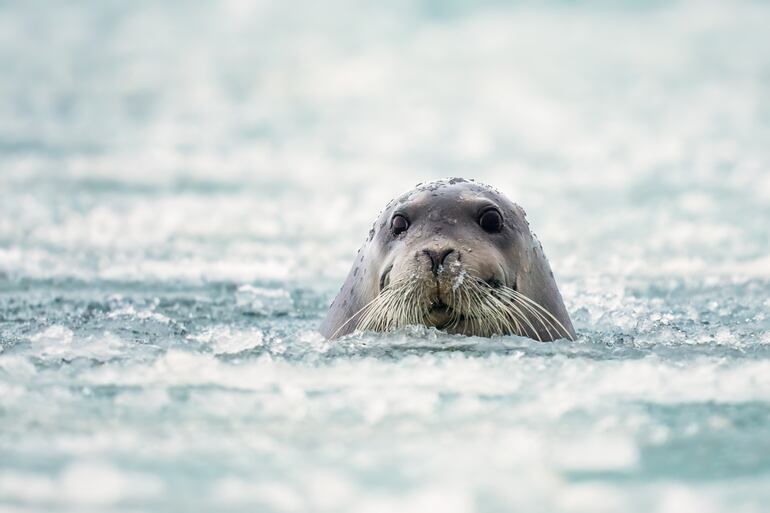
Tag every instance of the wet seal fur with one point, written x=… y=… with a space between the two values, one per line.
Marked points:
x=456 y=255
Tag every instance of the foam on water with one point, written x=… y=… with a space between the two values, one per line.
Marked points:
x=183 y=187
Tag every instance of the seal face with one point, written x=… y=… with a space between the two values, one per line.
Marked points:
x=456 y=255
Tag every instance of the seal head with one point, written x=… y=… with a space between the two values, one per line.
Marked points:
x=455 y=255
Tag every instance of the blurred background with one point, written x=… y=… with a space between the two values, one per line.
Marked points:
x=183 y=186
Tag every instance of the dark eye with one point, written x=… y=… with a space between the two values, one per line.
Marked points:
x=491 y=221
x=399 y=224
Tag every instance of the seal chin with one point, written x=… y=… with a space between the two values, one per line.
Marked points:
x=439 y=315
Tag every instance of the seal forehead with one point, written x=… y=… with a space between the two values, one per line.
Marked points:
x=442 y=199
x=417 y=198
x=452 y=188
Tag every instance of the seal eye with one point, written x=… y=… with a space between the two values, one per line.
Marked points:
x=399 y=224
x=491 y=221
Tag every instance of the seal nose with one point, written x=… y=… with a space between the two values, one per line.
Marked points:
x=437 y=258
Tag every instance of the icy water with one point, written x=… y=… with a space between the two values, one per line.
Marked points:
x=182 y=190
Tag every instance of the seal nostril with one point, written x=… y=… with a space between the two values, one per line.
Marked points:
x=446 y=253
x=437 y=258
x=433 y=260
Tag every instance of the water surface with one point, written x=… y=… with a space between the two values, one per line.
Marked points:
x=182 y=190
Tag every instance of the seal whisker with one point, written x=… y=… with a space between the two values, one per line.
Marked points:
x=495 y=321
x=476 y=309
x=549 y=315
x=558 y=327
x=396 y=306
x=521 y=320
x=510 y=295
x=528 y=309
x=506 y=310
x=378 y=316
x=365 y=307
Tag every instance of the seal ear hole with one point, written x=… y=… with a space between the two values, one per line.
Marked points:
x=491 y=220
x=399 y=224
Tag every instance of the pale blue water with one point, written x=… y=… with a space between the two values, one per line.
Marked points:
x=182 y=190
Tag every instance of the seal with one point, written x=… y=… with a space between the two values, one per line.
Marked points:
x=456 y=255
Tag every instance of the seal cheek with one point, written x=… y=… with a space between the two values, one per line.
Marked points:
x=488 y=265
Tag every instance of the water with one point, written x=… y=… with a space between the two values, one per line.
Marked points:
x=182 y=190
